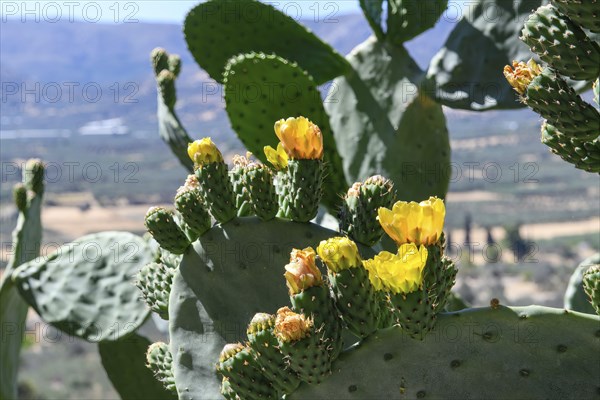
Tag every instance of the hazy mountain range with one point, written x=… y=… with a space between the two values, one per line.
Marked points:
x=63 y=75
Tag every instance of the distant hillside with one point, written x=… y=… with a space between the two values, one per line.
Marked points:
x=52 y=73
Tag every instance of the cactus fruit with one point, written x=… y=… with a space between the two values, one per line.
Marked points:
x=262 y=340
x=191 y=207
x=576 y=298
x=591 y=284
x=562 y=44
x=243 y=373
x=309 y=295
x=557 y=33
x=260 y=185
x=584 y=12
x=213 y=179
x=160 y=362
x=163 y=228
x=584 y=155
x=359 y=209
x=354 y=295
x=550 y=96
x=154 y=281
x=302 y=344
x=237 y=177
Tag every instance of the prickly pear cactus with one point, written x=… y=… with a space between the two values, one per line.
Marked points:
x=575 y=296
x=557 y=34
x=27 y=238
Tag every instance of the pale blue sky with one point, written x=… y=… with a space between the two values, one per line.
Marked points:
x=166 y=11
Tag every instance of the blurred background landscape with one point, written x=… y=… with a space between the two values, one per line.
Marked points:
x=82 y=97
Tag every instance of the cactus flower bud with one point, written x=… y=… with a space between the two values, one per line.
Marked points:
x=339 y=253
x=520 y=74
x=301 y=139
x=204 y=152
x=291 y=327
x=398 y=273
x=419 y=223
x=230 y=350
x=302 y=273
x=34 y=175
x=278 y=158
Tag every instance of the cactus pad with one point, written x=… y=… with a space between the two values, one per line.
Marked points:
x=125 y=363
x=466 y=72
x=584 y=155
x=383 y=125
x=261 y=89
x=86 y=288
x=591 y=284
x=215 y=31
x=479 y=353
x=409 y=18
x=584 y=12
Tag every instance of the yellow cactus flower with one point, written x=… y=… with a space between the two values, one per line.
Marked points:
x=278 y=158
x=301 y=139
x=290 y=327
x=398 y=273
x=520 y=74
x=339 y=253
x=419 y=223
x=204 y=152
x=302 y=272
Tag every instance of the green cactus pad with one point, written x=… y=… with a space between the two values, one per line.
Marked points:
x=584 y=155
x=467 y=71
x=232 y=272
x=26 y=241
x=591 y=284
x=154 y=281
x=584 y=12
x=358 y=216
x=215 y=31
x=409 y=18
x=160 y=362
x=478 y=353
x=303 y=190
x=550 y=96
x=217 y=190
x=86 y=287
x=262 y=89
x=383 y=126
x=259 y=182
x=161 y=224
x=576 y=298
x=125 y=363
x=562 y=44
x=373 y=11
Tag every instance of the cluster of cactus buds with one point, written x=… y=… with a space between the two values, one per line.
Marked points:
x=557 y=34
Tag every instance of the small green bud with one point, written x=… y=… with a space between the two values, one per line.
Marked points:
x=159 y=59
x=34 y=175
x=20 y=196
